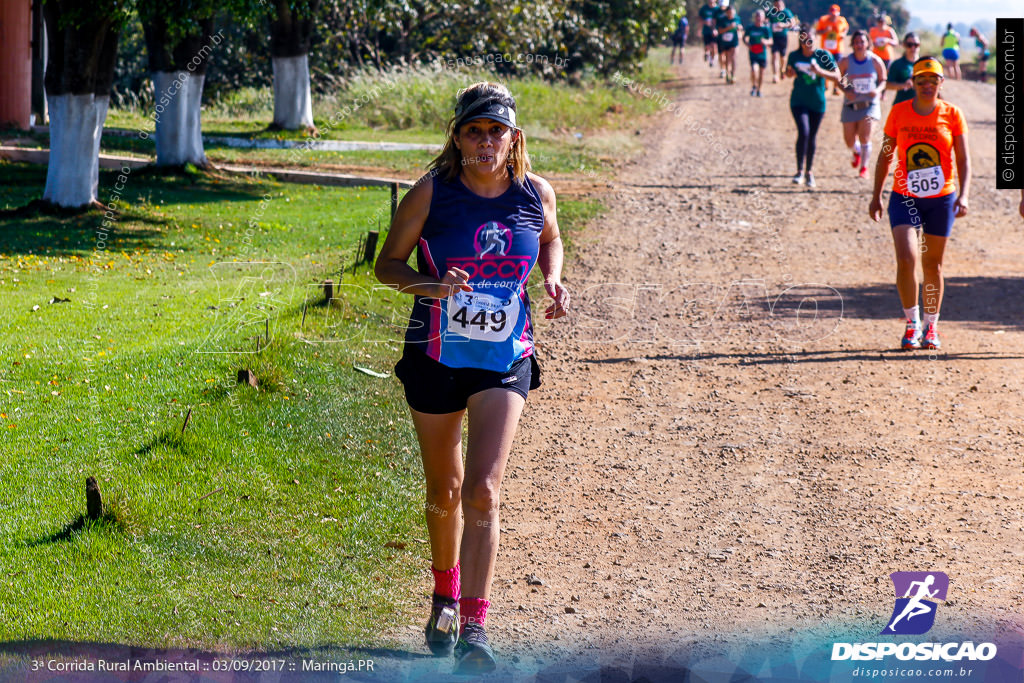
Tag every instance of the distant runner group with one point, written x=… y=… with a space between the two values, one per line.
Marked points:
x=924 y=135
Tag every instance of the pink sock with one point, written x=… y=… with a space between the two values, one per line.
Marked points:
x=446 y=583
x=473 y=611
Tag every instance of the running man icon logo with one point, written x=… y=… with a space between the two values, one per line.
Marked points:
x=917 y=597
x=492 y=238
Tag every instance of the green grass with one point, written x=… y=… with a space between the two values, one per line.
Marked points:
x=317 y=470
x=263 y=523
x=571 y=129
x=572 y=216
x=266 y=521
x=413 y=105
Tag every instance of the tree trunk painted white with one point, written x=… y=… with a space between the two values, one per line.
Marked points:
x=293 y=104
x=179 y=137
x=73 y=171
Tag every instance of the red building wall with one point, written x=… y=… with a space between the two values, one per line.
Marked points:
x=15 y=62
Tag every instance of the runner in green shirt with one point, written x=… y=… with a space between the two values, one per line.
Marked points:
x=729 y=28
x=951 y=52
x=781 y=21
x=809 y=68
x=708 y=33
x=758 y=39
x=901 y=69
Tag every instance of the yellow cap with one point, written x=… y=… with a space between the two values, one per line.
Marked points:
x=928 y=66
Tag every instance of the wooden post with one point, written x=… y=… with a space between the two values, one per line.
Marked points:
x=328 y=290
x=93 y=499
x=370 y=247
x=394 y=199
x=359 y=252
x=247 y=377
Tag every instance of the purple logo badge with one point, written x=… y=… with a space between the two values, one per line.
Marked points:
x=917 y=598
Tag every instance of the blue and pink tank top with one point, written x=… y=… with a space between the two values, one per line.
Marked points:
x=496 y=240
x=864 y=77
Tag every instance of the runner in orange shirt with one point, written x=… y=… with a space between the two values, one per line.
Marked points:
x=832 y=28
x=883 y=39
x=924 y=134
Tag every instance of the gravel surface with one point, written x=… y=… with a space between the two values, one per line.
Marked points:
x=727 y=441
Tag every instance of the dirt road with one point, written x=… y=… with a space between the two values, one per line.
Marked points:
x=707 y=459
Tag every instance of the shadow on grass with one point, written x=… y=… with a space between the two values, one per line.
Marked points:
x=170 y=440
x=54 y=234
x=109 y=521
x=75 y=235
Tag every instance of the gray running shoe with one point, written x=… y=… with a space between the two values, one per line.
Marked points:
x=473 y=653
x=442 y=630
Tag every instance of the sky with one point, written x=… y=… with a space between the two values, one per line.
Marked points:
x=966 y=11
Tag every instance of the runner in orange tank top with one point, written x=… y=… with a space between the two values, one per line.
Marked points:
x=883 y=39
x=924 y=134
x=832 y=28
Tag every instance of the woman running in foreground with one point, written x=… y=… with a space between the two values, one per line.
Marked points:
x=923 y=133
x=479 y=222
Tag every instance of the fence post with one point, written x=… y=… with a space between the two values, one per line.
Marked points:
x=370 y=249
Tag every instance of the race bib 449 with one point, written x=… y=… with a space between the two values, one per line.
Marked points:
x=480 y=316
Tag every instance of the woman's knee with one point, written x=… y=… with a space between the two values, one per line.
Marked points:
x=444 y=495
x=906 y=260
x=813 y=124
x=931 y=266
x=482 y=496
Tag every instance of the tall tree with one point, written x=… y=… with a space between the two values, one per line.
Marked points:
x=79 y=73
x=860 y=13
x=612 y=34
x=179 y=42
x=291 y=29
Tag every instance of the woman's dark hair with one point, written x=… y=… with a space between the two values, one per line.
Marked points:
x=862 y=33
x=911 y=34
x=924 y=59
x=806 y=34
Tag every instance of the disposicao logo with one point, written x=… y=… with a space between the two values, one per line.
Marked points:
x=917 y=598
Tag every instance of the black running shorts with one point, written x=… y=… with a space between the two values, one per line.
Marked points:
x=432 y=387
